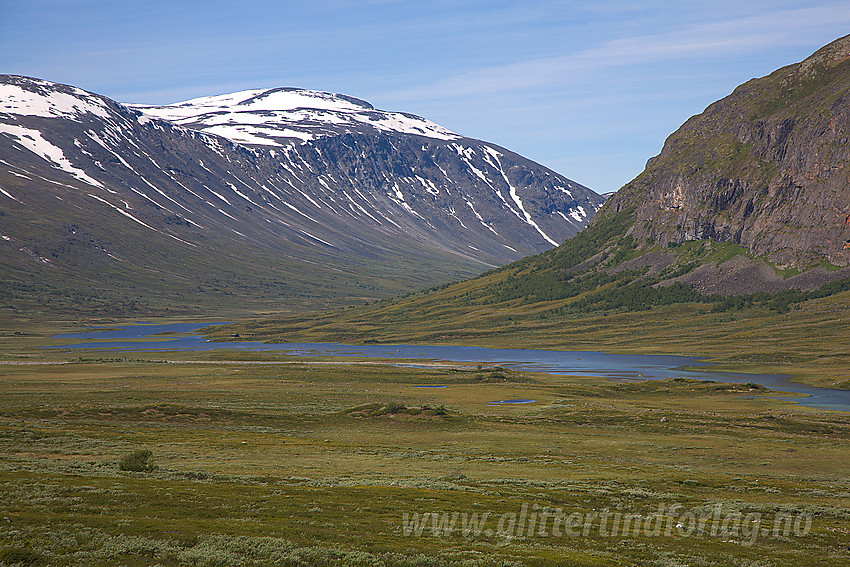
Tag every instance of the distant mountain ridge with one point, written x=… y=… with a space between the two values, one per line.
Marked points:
x=107 y=205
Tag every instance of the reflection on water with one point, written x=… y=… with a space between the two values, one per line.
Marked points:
x=578 y=363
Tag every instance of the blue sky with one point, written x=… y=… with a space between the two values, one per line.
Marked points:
x=590 y=89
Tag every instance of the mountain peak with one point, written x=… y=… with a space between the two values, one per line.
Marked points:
x=287 y=115
x=830 y=55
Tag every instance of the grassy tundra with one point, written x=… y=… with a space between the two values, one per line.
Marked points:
x=266 y=459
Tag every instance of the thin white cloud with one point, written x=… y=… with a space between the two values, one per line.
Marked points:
x=762 y=32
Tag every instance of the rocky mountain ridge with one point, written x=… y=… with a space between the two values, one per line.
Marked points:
x=766 y=168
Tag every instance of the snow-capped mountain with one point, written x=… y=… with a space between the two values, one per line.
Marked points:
x=268 y=194
x=277 y=117
x=286 y=118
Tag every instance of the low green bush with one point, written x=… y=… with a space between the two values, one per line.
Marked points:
x=137 y=461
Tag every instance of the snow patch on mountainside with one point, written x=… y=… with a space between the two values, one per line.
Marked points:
x=515 y=196
x=6 y=193
x=15 y=99
x=33 y=141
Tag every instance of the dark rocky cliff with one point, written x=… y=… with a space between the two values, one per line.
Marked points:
x=767 y=168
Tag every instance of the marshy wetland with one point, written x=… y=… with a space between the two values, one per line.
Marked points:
x=268 y=458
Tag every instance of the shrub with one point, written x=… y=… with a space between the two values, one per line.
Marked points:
x=137 y=461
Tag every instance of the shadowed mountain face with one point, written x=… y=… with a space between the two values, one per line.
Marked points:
x=767 y=168
x=253 y=199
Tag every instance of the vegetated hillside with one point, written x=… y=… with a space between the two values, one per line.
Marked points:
x=663 y=273
x=106 y=210
x=749 y=200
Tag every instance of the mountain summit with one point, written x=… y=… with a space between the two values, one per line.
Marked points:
x=277 y=117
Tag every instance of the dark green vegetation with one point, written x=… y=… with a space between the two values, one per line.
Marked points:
x=270 y=460
x=782 y=301
x=137 y=461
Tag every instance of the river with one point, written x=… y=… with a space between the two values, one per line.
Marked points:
x=150 y=337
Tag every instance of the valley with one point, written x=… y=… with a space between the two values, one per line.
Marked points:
x=275 y=216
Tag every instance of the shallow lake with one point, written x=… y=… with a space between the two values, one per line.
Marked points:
x=150 y=337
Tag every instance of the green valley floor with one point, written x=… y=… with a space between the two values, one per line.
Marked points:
x=251 y=459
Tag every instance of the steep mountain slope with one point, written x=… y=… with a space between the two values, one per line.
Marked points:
x=751 y=196
x=400 y=165
x=767 y=167
x=104 y=208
